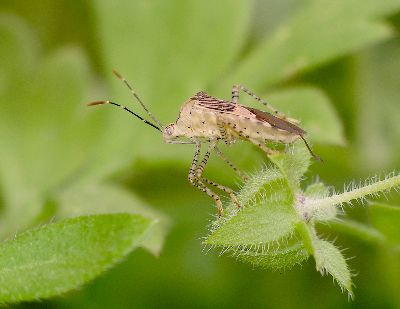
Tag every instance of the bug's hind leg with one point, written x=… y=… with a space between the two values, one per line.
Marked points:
x=235 y=93
x=200 y=170
x=227 y=190
x=233 y=166
x=268 y=151
x=195 y=181
x=275 y=112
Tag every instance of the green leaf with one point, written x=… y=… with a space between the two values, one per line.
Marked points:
x=260 y=183
x=268 y=211
x=108 y=198
x=312 y=37
x=315 y=112
x=268 y=207
x=59 y=257
x=327 y=257
x=282 y=258
x=267 y=222
x=293 y=164
x=386 y=219
x=330 y=260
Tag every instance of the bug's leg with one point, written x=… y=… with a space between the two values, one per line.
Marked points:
x=233 y=166
x=227 y=190
x=274 y=111
x=200 y=170
x=268 y=151
x=199 y=184
x=235 y=93
x=222 y=131
x=259 y=144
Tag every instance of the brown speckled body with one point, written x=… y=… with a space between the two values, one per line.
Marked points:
x=206 y=118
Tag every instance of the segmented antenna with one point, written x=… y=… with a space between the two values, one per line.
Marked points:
x=137 y=97
x=127 y=109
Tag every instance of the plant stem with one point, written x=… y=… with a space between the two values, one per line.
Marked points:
x=357 y=193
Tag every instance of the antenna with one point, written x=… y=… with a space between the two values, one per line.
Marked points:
x=127 y=109
x=120 y=77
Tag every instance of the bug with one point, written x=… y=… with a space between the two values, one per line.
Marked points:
x=206 y=119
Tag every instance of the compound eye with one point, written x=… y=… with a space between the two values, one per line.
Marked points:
x=169 y=130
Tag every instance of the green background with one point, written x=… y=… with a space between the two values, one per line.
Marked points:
x=60 y=158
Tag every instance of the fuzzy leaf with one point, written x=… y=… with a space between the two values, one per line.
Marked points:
x=330 y=260
x=107 y=198
x=293 y=164
x=282 y=258
x=260 y=183
x=258 y=224
x=62 y=256
x=386 y=219
x=327 y=257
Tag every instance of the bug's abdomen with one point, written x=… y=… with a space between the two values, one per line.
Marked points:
x=249 y=127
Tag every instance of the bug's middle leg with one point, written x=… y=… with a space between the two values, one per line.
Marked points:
x=200 y=170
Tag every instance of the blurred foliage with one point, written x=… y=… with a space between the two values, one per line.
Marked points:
x=59 y=159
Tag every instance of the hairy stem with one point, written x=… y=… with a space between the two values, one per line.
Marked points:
x=360 y=193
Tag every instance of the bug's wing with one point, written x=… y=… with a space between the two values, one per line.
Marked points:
x=275 y=121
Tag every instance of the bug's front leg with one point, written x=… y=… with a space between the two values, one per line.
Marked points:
x=200 y=170
x=195 y=181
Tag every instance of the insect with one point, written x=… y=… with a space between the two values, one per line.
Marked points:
x=206 y=119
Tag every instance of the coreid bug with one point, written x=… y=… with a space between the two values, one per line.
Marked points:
x=206 y=119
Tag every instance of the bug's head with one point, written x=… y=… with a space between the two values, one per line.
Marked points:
x=170 y=133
